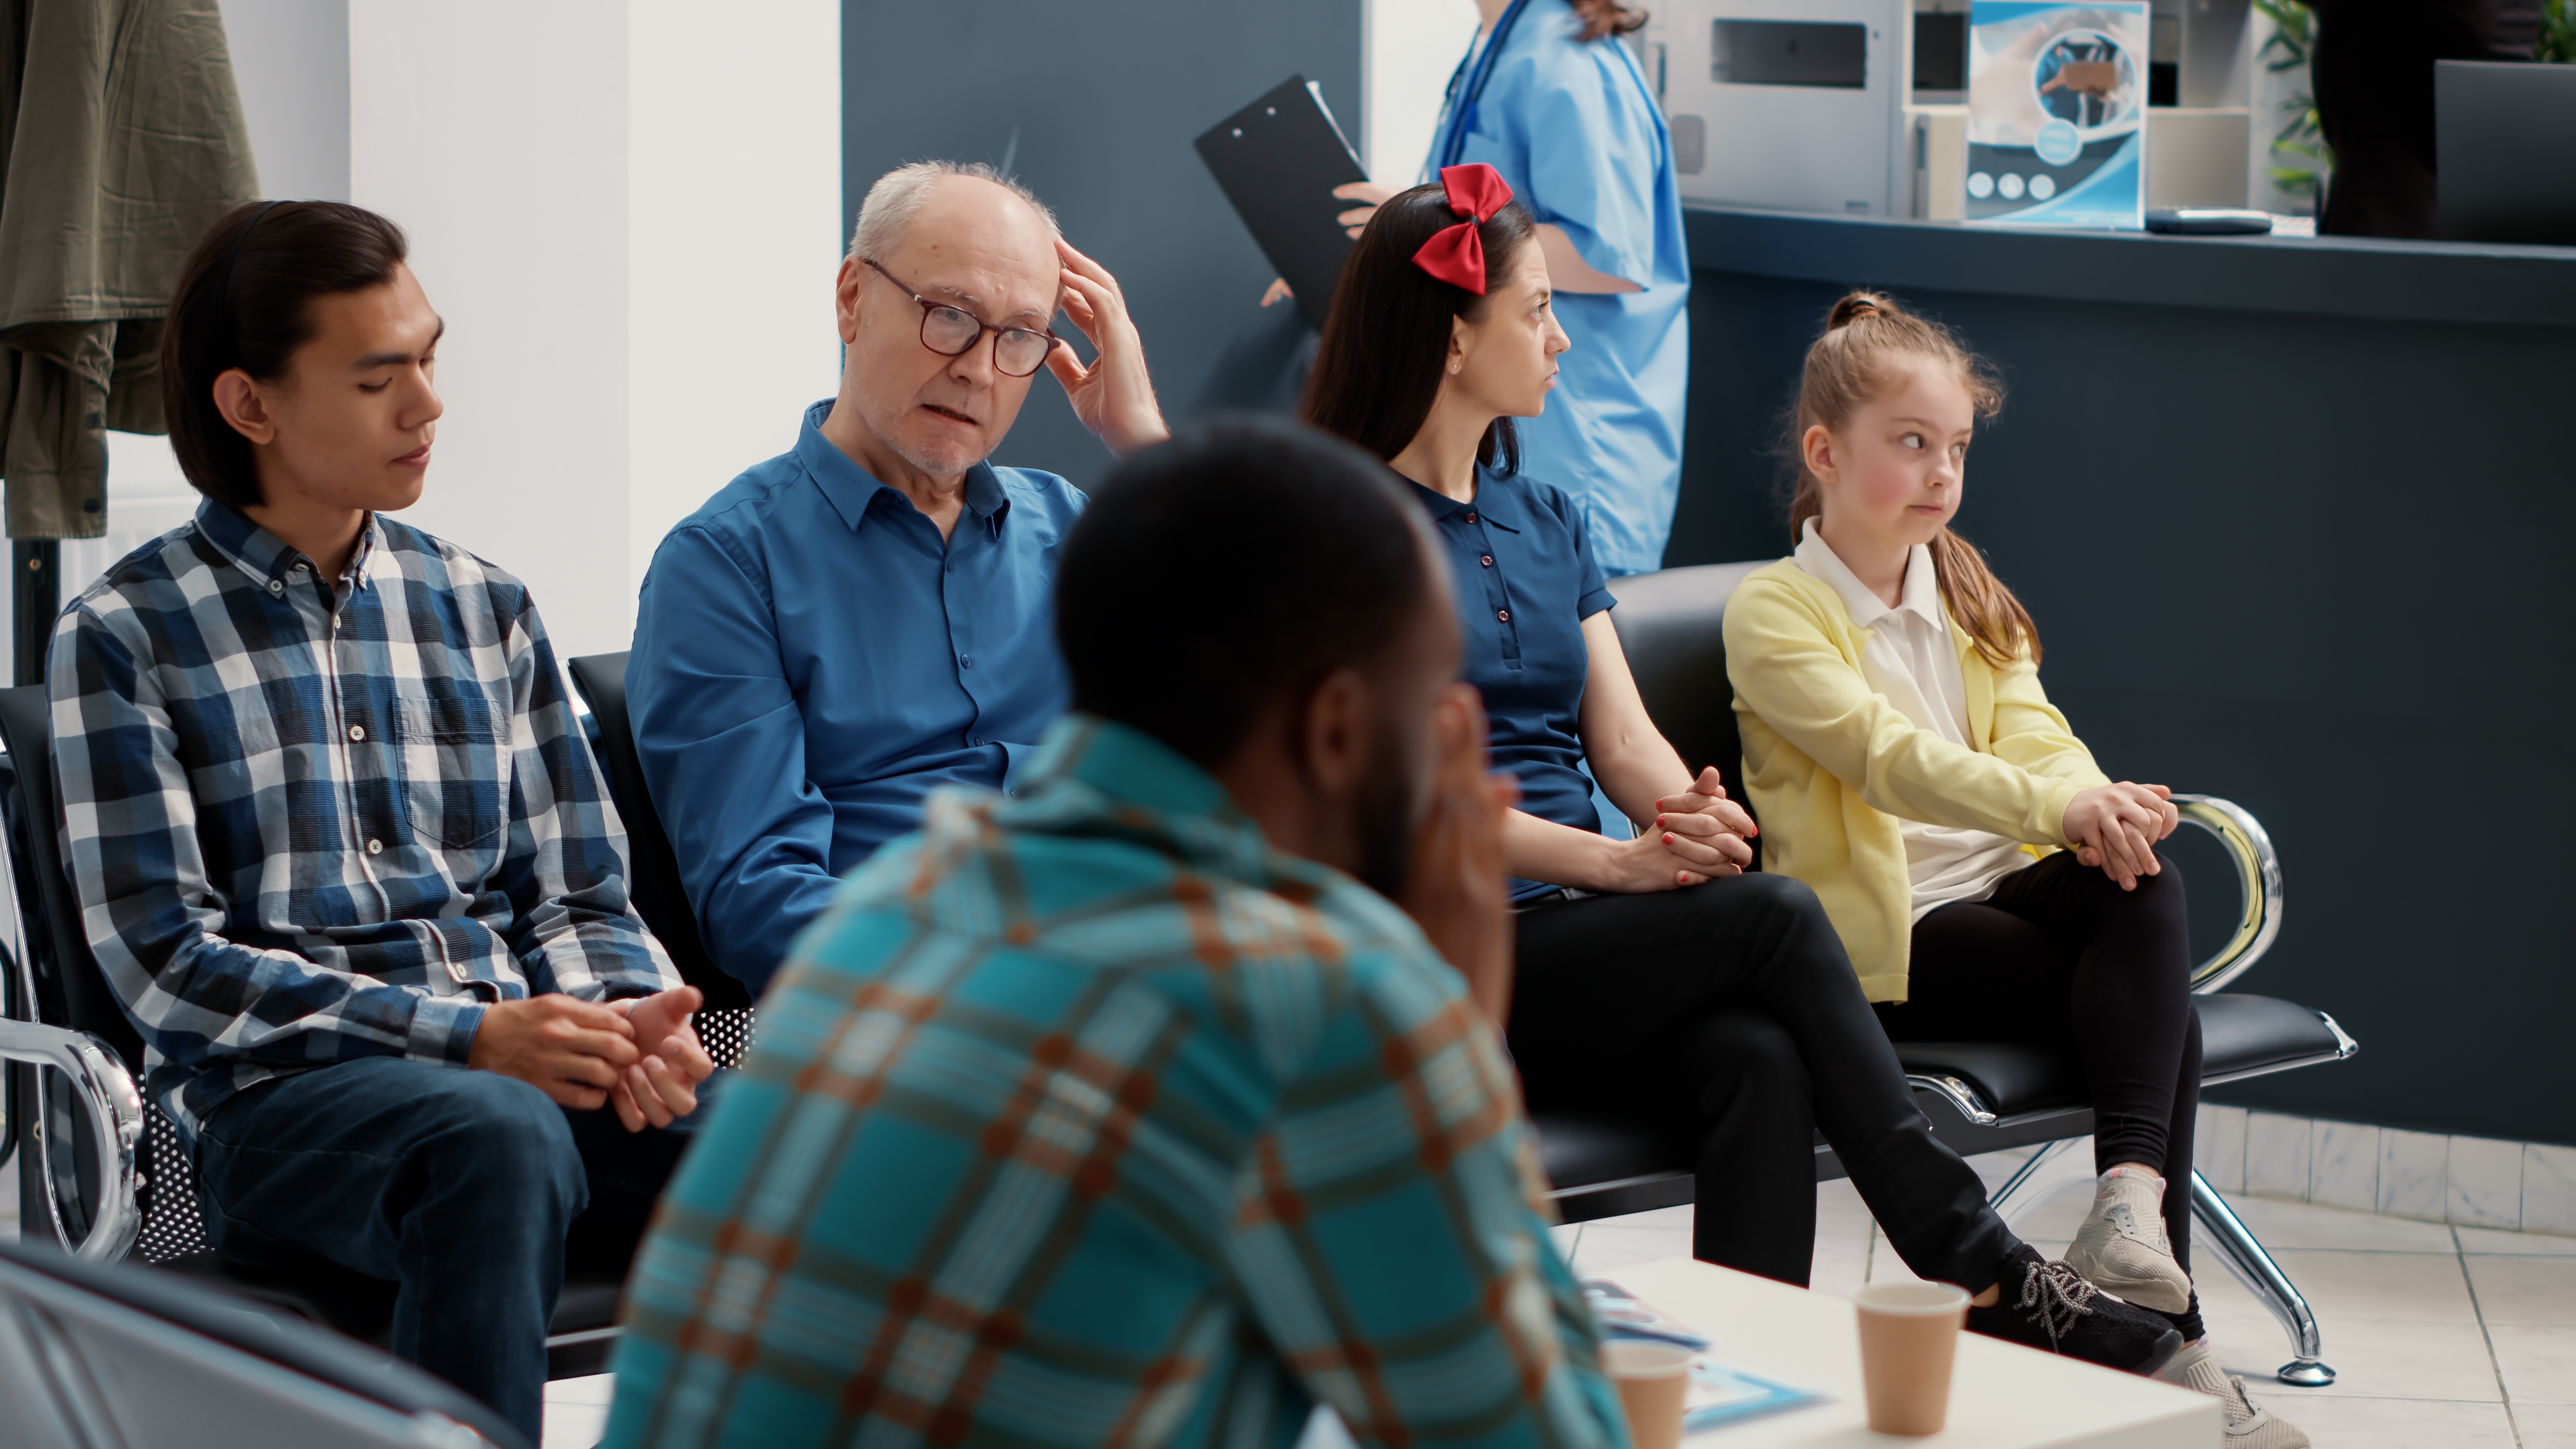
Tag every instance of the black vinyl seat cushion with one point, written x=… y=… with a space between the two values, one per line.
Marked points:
x=363 y=1308
x=2241 y=1036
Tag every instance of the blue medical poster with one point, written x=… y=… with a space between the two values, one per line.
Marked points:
x=2057 y=113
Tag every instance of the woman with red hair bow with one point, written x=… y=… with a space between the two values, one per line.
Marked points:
x=1642 y=977
x=1551 y=97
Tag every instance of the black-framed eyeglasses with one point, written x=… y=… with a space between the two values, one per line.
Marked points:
x=954 y=331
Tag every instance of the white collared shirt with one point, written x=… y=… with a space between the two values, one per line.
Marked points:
x=1911 y=660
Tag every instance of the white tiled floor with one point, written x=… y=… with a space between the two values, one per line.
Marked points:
x=577 y=1411
x=2451 y=1336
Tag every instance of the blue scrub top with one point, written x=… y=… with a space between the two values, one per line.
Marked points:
x=1526 y=582
x=811 y=660
x=1575 y=129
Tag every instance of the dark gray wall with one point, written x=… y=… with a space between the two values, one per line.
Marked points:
x=2314 y=563
x=1094 y=106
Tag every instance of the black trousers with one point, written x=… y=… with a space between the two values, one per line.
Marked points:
x=1731 y=1006
x=2060 y=954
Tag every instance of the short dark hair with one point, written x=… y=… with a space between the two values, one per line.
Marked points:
x=1386 y=339
x=1238 y=564
x=245 y=300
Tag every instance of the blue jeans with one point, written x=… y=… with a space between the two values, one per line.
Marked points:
x=459 y=1186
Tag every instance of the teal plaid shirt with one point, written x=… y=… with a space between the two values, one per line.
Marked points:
x=1086 y=1118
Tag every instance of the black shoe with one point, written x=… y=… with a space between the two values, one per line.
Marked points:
x=2049 y=1306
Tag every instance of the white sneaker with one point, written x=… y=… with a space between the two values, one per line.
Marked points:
x=2122 y=1247
x=2248 y=1427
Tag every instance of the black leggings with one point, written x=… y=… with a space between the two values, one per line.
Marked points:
x=2059 y=954
x=1731 y=1007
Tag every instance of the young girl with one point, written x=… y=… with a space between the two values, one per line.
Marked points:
x=1649 y=972
x=1986 y=877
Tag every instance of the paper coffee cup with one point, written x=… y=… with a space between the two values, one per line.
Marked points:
x=1653 y=1380
x=1909 y=1338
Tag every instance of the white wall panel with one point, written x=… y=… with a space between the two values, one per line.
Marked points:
x=495 y=133
x=1407 y=50
x=629 y=215
x=735 y=233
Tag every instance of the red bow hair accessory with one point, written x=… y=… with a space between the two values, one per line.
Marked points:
x=1456 y=254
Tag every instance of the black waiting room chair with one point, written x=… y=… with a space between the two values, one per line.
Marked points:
x=1980 y=1096
x=101 y=1170
x=653 y=870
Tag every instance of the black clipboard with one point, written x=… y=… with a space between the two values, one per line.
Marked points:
x=1277 y=161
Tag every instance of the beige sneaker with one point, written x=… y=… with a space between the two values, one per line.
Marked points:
x=2248 y=1427
x=2122 y=1248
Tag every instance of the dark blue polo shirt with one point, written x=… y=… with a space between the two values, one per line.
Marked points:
x=1526 y=582
x=812 y=659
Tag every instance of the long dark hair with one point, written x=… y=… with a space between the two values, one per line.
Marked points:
x=1846 y=367
x=1386 y=340
x=246 y=301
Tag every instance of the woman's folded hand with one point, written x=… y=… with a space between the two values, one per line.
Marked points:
x=2116 y=827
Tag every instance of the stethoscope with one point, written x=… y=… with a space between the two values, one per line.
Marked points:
x=1462 y=110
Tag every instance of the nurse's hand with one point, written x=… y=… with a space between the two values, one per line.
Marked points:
x=1113 y=396
x=1371 y=193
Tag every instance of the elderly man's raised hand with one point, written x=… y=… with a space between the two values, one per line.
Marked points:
x=1113 y=396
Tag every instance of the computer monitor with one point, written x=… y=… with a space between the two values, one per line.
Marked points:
x=2505 y=149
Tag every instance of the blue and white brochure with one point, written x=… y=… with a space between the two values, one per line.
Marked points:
x=2057 y=113
x=1719 y=1394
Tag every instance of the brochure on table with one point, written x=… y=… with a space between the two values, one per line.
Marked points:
x=2057 y=113
x=1718 y=1394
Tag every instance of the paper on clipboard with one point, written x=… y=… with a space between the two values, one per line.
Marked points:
x=1278 y=160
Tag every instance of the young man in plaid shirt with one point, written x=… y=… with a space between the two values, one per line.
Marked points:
x=1132 y=1108
x=338 y=847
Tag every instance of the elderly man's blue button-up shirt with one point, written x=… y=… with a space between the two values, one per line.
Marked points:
x=811 y=659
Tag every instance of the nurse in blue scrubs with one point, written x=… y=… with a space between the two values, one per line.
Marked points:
x=1551 y=98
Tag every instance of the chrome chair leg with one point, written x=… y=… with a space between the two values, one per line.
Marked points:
x=2039 y=1177
x=2225 y=1234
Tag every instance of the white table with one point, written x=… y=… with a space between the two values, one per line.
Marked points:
x=2003 y=1397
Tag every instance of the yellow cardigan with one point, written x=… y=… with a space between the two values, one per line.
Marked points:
x=1830 y=764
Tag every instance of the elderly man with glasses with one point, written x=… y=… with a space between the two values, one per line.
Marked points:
x=866 y=617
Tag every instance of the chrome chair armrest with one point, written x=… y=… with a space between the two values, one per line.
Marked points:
x=106 y=1092
x=2258 y=883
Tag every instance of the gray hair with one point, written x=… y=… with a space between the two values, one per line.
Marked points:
x=898 y=194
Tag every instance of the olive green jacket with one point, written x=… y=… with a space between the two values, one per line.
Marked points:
x=121 y=141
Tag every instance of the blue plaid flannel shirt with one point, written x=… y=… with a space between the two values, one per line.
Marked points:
x=1085 y=1118
x=311 y=823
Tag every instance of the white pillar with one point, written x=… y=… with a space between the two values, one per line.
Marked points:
x=735 y=233
x=1407 y=50
x=629 y=218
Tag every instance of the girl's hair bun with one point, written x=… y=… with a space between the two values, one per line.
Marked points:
x=1857 y=305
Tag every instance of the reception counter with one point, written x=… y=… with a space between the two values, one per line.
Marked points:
x=2295 y=517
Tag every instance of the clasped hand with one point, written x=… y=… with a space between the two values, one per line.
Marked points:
x=1697 y=835
x=2116 y=827
x=641 y=1056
